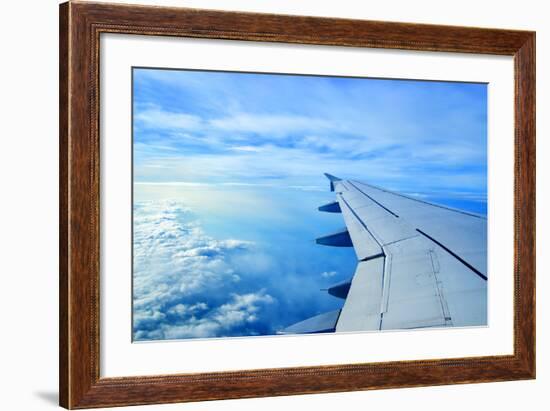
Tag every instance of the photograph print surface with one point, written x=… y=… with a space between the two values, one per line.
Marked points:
x=272 y=204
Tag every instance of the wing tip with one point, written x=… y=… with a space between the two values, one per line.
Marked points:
x=331 y=177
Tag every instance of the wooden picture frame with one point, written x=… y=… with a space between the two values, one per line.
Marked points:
x=80 y=27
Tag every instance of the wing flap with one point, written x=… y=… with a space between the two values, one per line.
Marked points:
x=412 y=298
x=361 y=310
x=427 y=287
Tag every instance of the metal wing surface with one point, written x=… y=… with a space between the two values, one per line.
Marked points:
x=419 y=264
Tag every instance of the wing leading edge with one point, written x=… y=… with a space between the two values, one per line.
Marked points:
x=419 y=264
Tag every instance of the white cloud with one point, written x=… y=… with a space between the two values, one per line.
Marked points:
x=159 y=119
x=309 y=188
x=252 y=149
x=171 y=183
x=242 y=308
x=182 y=309
x=329 y=274
x=271 y=124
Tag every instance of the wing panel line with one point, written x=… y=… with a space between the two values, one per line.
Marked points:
x=363 y=224
x=421 y=201
x=466 y=263
x=372 y=199
x=386 y=274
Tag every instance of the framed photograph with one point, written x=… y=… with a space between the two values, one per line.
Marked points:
x=259 y=205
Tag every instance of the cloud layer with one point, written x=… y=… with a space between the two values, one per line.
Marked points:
x=184 y=282
x=413 y=136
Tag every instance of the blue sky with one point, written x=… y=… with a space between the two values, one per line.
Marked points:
x=228 y=171
x=273 y=129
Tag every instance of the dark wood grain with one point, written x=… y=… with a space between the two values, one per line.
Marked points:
x=525 y=203
x=63 y=205
x=80 y=27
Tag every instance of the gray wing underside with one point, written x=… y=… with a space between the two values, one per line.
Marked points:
x=419 y=264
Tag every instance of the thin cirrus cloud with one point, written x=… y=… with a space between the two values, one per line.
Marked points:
x=156 y=118
x=272 y=125
x=412 y=135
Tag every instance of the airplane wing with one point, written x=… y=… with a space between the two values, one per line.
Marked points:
x=419 y=264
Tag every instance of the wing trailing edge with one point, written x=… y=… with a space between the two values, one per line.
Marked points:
x=322 y=323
